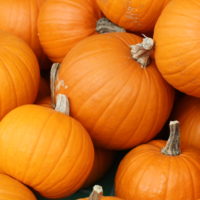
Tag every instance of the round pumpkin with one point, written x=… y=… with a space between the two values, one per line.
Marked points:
x=134 y=15
x=97 y=194
x=177 y=45
x=11 y=189
x=187 y=111
x=51 y=152
x=20 y=18
x=160 y=170
x=119 y=102
x=103 y=160
x=19 y=73
x=62 y=23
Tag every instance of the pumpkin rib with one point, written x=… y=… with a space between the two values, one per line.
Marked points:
x=59 y=158
x=22 y=61
x=67 y=174
x=31 y=158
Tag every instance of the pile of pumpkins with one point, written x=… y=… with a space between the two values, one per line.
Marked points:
x=83 y=79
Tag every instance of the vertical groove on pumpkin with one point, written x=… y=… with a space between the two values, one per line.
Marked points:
x=172 y=147
x=53 y=75
x=141 y=51
x=104 y=25
x=96 y=193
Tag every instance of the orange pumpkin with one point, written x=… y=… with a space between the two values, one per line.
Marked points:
x=187 y=111
x=20 y=18
x=19 y=73
x=120 y=103
x=62 y=23
x=97 y=195
x=157 y=170
x=177 y=45
x=103 y=160
x=134 y=15
x=52 y=152
x=11 y=189
x=45 y=101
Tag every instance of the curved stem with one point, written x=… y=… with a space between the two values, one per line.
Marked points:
x=172 y=147
x=106 y=26
x=53 y=74
x=96 y=193
x=62 y=104
x=141 y=52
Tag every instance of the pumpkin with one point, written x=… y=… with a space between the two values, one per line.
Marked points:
x=134 y=15
x=20 y=18
x=45 y=101
x=187 y=111
x=116 y=99
x=177 y=45
x=160 y=170
x=19 y=73
x=97 y=194
x=11 y=189
x=103 y=160
x=52 y=152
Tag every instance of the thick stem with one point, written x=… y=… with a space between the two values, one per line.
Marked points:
x=141 y=52
x=105 y=26
x=53 y=74
x=97 y=193
x=172 y=147
x=62 y=104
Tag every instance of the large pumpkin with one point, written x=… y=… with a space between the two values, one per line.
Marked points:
x=160 y=170
x=177 y=45
x=20 y=18
x=134 y=15
x=62 y=23
x=51 y=152
x=11 y=189
x=119 y=102
x=19 y=73
x=187 y=111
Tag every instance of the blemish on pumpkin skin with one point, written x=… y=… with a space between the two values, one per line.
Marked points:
x=61 y=84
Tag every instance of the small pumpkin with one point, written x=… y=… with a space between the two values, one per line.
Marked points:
x=52 y=152
x=103 y=160
x=157 y=170
x=97 y=194
x=177 y=45
x=119 y=101
x=134 y=15
x=11 y=189
x=187 y=111
x=19 y=73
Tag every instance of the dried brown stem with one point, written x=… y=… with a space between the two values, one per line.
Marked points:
x=96 y=193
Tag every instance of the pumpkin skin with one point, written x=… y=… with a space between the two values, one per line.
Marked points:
x=187 y=111
x=68 y=21
x=177 y=51
x=45 y=101
x=20 y=18
x=133 y=15
x=103 y=160
x=146 y=174
x=105 y=198
x=19 y=73
x=117 y=101
x=11 y=189
x=52 y=152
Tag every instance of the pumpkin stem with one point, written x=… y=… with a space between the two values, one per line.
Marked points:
x=53 y=74
x=104 y=25
x=141 y=51
x=62 y=104
x=96 y=193
x=172 y=147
